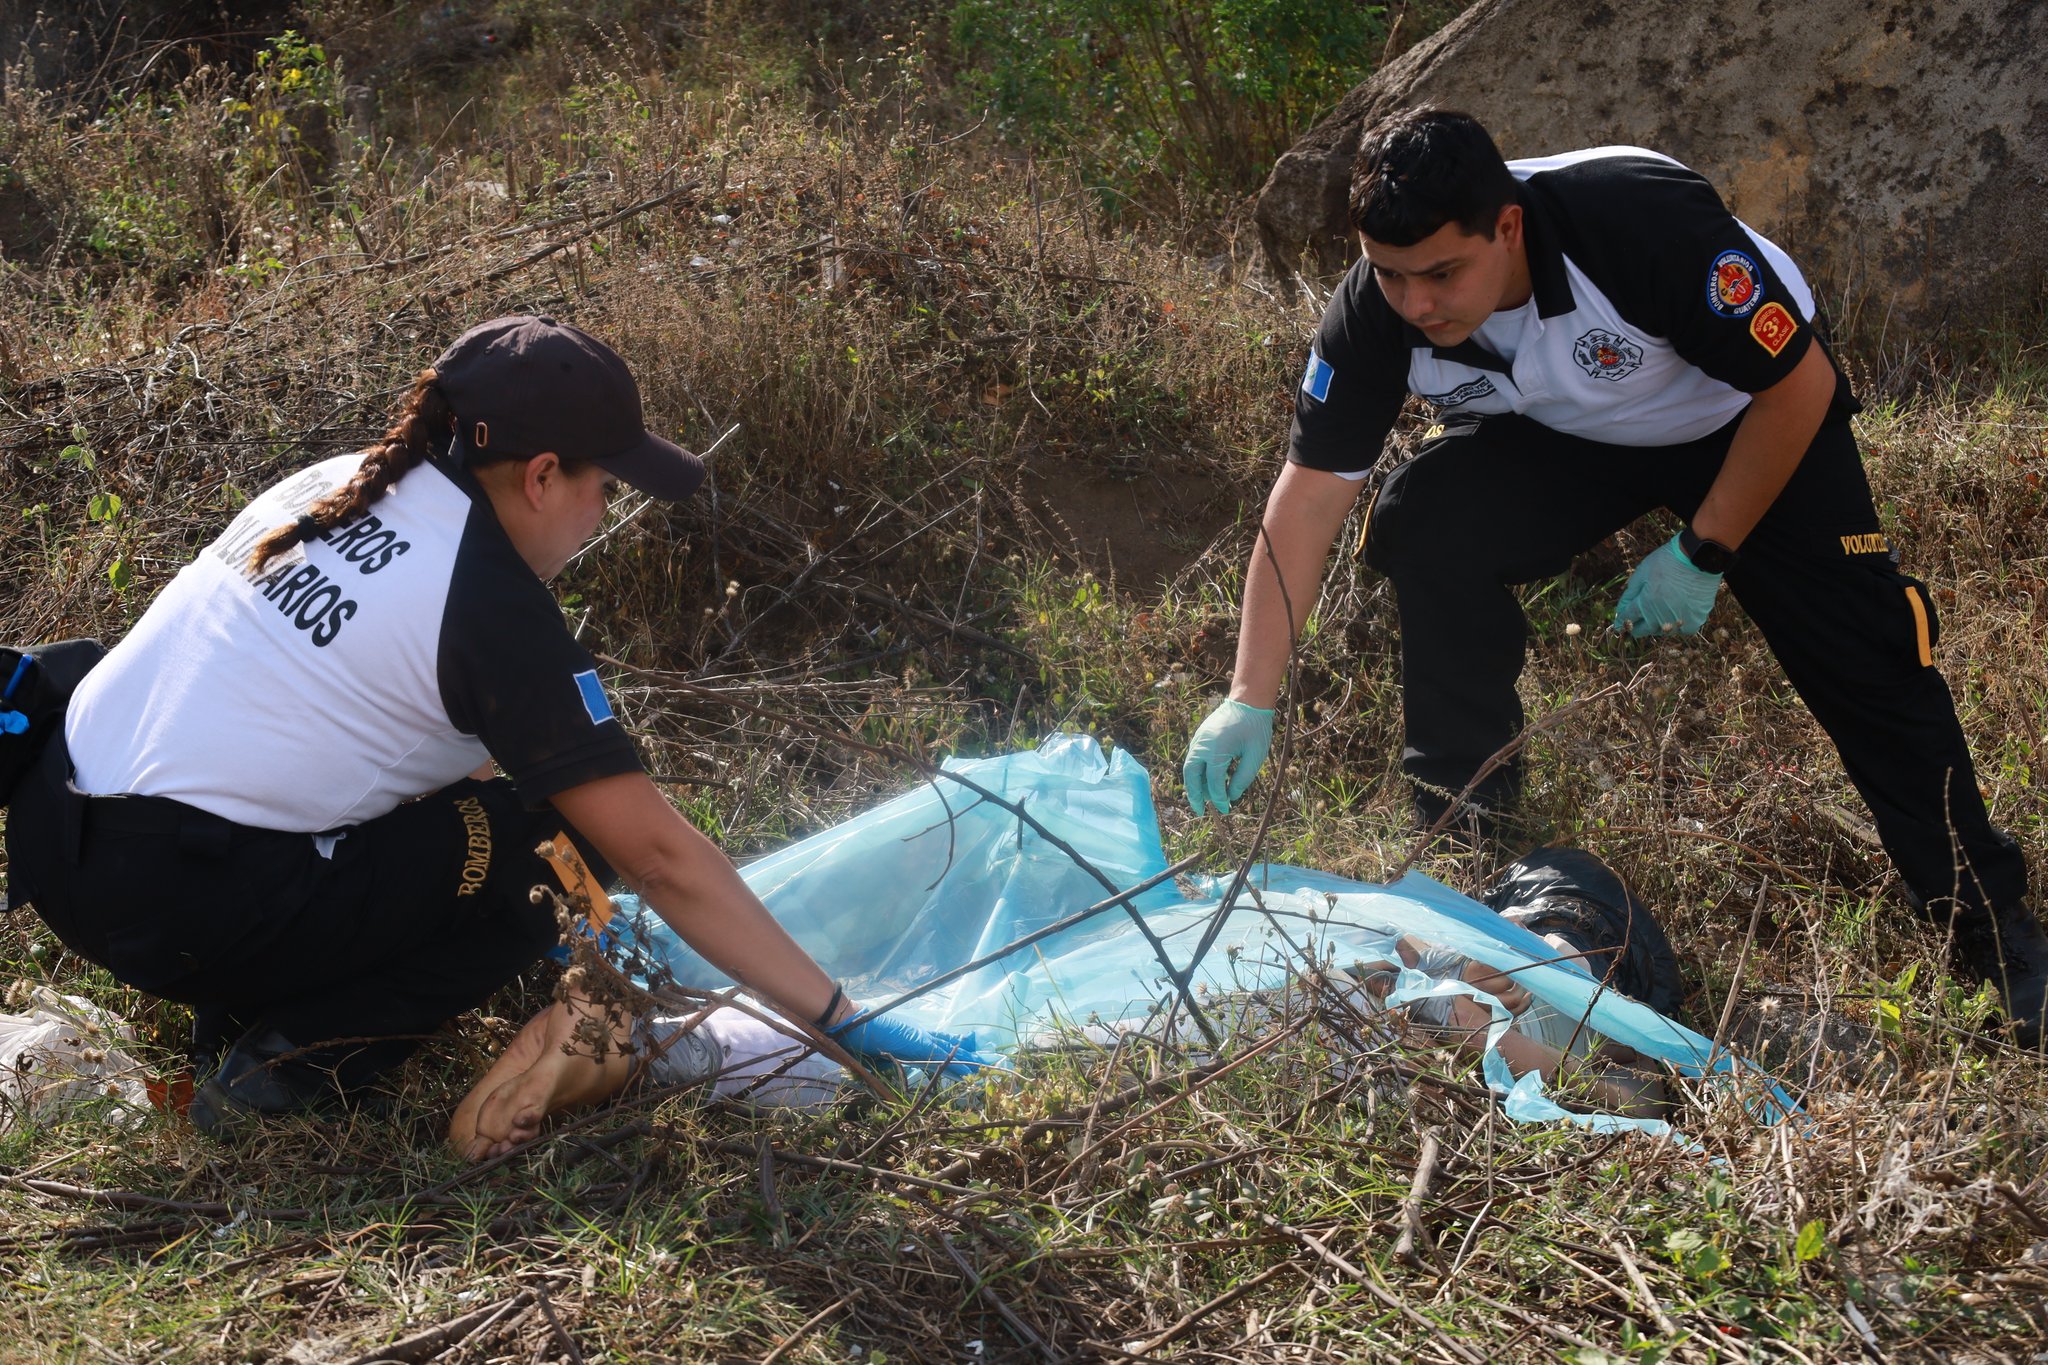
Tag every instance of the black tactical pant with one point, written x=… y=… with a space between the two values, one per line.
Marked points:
x=417 y=916
x=1492 y=502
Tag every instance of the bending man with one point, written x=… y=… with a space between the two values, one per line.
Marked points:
x=1601 y=337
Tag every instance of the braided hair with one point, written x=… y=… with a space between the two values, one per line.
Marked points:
x=422 y=427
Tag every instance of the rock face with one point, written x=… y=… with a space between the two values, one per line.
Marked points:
x=1899 y=150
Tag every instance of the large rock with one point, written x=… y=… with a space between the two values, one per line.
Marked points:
x=1899 y=150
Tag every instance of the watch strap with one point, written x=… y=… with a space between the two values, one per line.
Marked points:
x=1708 y=556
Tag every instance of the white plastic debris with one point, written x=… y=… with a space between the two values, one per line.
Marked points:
x=65 y=1051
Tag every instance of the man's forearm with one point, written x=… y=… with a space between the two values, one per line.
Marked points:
x=1286 y=571
x=1768 y=445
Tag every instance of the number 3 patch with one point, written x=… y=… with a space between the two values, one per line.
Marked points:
x=1773 y=327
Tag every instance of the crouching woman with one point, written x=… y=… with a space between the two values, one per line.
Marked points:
x=273 y=800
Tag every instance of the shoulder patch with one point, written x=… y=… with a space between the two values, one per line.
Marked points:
x=1315 y=381
x=1734 y=286
x=1607 y=355
x=1773 y=327
x=594 y=700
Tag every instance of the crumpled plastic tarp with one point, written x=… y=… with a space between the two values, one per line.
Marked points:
x=939 y=876
x=65 y=1051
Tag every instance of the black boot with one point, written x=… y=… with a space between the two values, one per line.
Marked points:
x=2008 y=949
x=263 y=1073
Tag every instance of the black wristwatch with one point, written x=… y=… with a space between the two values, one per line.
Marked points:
x=1708 y=556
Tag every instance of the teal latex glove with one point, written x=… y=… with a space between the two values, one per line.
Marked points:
x=1233 y=734
x=1665 y=595
x=879 y=1040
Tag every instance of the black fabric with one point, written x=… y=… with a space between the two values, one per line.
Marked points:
x=1570 y=893
x=508 y=670
x=1492 y=503
x=35 y=683
x=1368 y=344
x=418 y=915
x=1647 y=233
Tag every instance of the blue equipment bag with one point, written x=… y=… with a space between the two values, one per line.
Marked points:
x=35 y=685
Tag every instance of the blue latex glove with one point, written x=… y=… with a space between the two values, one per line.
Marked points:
x=1665 y=594
x=885 y=1039
x=1233 y=733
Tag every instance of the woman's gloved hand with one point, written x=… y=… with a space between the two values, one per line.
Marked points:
x=886 y=1039
x=1233 y=733
x=1665 y=594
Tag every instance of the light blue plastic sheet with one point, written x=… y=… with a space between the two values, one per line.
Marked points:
x=937 y=877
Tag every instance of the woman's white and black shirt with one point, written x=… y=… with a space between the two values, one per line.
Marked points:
x=1656 y=314
x=381 y=661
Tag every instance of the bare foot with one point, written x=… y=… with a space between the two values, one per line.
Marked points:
x=546 y=1069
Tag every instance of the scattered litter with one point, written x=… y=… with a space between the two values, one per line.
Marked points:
x=63 y=1052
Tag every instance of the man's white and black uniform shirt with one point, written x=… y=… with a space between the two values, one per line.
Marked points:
x=1655 y=314
x=379 y=662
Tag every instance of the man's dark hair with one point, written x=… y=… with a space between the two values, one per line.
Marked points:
x=1422 y=168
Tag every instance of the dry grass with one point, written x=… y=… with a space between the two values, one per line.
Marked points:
x=917 y=335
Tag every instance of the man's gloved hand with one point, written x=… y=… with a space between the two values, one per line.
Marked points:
x=1665 y=594
x=887 y=1039
x=1232 y=733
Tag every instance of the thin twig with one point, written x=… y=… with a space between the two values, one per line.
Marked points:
x=547 y=1309
x=1411 y=1207
x=783 y=1347
x=1220 y=1302
x=128 y=1199
x=1497 y=760
x=1635 y=1277
x=1735 y=983
x=1059 y=926
x=1023 y=1329
x=1276 y=780
x=1371 y=1285
x=778 y=1221
x=828 y=1163
x=422 y=1346
x=541 y=253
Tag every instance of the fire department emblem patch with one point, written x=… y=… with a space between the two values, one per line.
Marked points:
x=1773 y=327
x=1607 y=355
x=1735 y=285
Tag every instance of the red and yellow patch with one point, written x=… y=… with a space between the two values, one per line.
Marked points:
x=1734 y=285
x=1773 y=327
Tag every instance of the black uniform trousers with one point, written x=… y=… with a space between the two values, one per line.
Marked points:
x=417 y=916
x=1493 y=502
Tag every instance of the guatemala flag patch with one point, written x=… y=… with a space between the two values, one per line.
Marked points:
x=1315 y=381
x=594 y=700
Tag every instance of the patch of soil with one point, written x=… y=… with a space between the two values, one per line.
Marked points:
x=1138 y=531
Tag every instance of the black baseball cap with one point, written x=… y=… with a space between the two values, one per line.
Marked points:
x=520 y=386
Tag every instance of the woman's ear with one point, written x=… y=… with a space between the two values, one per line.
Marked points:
x=539 y=478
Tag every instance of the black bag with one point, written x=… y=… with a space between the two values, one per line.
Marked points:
x=35 y=686
x=1571 y=893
